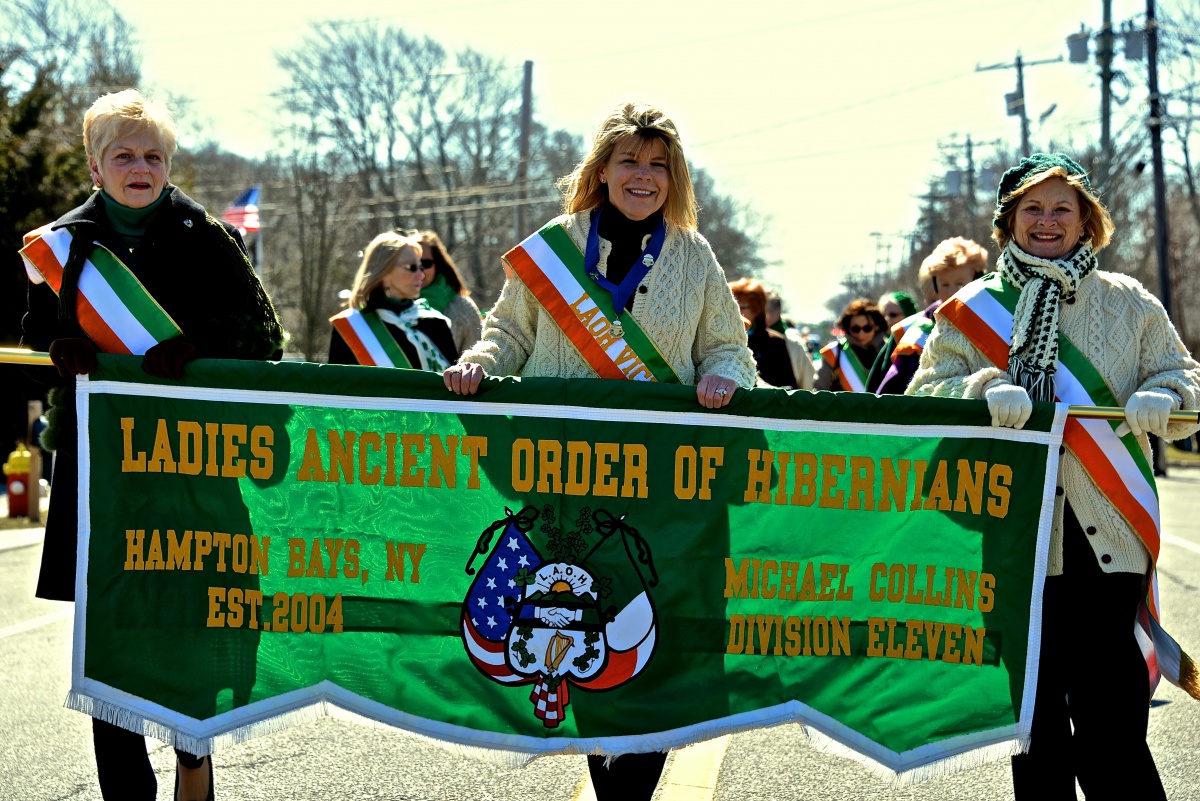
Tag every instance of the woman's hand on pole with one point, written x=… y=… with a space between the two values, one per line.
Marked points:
x=1009 y=404
x=73 y=356
x=715 y=391
x=1150 y=410
x=463 y=379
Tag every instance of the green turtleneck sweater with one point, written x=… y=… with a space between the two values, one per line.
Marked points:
x=131 y=224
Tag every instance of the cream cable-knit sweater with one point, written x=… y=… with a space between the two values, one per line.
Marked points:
x=465 y=322
x=687 y=310
x=1124 y=332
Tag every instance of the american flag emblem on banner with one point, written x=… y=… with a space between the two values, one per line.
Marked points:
x=242 y=213
x=487 y=615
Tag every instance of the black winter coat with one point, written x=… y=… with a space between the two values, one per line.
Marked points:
x=198 y=271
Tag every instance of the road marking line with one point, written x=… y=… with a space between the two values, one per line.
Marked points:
x=694 y=771
x=22 y=540
x=36 y=623
x=692 y=777
x=585 y=791
x=1182 y=543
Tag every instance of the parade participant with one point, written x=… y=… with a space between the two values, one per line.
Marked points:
x=770 y=348
x=846 y=360
x=1096 y=338
x=797 y=346
x=445 y=291
x=895 y=306
x=385 y=323
x=631 y=210
x=953 y=264
x=187 y=282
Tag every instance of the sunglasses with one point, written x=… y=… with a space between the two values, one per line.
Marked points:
x=861 y=329
x=412 y=268
x=428 y=264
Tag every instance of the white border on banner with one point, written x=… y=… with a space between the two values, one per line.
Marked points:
x=299 y=706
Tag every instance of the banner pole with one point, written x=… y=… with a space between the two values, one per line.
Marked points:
x=23 y=356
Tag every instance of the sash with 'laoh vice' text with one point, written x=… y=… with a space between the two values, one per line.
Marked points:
x=552 y=266
x=112 y=306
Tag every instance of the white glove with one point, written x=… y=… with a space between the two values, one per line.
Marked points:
x=1149 y=411
x=1009 y=404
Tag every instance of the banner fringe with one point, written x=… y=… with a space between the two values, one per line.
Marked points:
x=951 y=764
x=1189 y=677
x=198 y=746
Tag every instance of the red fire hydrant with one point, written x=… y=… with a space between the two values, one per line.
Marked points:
x=16 y=470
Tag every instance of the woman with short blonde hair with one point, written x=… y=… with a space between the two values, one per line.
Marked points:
x=179 y=259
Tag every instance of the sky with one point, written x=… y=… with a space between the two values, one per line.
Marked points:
x=828 y=118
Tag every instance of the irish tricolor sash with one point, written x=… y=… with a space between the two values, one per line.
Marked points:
x=850 y=372
x=369 y=340
x=983 y=311
x=911 y=333
x=552 y=266
x=112 y=306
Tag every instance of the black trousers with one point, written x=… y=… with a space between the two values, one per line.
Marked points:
x=1091 y=676
x=631 y=777
x=123 y=766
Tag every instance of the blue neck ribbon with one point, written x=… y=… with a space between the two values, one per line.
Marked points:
x=621 y=292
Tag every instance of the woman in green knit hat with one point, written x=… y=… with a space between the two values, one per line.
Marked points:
x=1049 y=325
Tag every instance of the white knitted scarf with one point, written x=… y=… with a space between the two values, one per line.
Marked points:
x=406 y=320
x=1044 y=283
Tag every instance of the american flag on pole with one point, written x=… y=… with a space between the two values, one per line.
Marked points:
x=242 y=213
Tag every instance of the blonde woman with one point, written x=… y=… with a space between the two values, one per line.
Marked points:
x=631 y=211
x=196 y=270
x=386 y=324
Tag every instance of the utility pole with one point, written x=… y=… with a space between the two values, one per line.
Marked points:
x=1104 y=58
x=1105 y=50
x=968 y=149
x=523 y=163
x=1016 y=100
x=1160 y=183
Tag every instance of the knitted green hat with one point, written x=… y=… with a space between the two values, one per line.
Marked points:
x=904 y=301
x=1029 y=167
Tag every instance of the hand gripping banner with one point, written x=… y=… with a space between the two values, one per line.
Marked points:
x=553 y=566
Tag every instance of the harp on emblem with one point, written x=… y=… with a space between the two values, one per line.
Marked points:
x=556 y=650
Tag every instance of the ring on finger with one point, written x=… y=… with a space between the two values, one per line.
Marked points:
x=722 y=391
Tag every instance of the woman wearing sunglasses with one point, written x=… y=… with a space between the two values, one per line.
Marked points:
x=846 y=360
x=385 y=323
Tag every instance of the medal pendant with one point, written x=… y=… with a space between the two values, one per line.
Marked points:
x=617 y=330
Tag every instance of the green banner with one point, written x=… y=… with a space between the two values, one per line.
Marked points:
x=556 y=566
